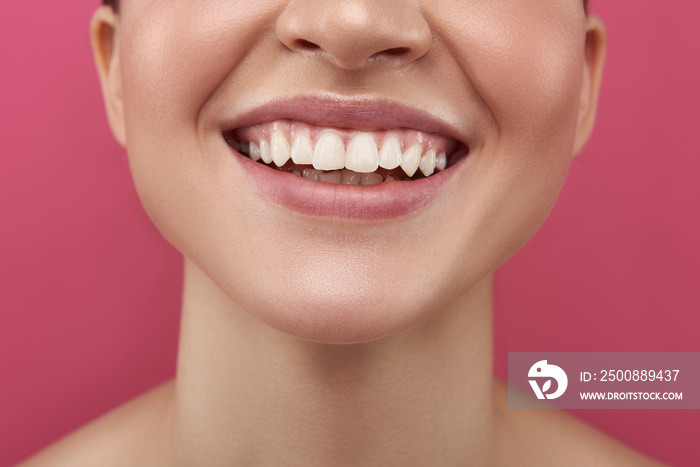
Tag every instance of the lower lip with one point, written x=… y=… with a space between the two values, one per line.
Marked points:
x=386 y=200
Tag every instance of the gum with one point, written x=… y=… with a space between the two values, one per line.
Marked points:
x=290 y=128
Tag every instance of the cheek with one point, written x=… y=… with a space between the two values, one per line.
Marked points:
x=173 y=56
x=524 y=60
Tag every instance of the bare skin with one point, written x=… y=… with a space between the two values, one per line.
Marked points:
x=406 y=414
x=529 y=438
x=314 y=341
x=128 y=435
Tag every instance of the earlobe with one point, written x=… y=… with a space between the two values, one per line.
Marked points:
x=595 y=47
x=104 y=33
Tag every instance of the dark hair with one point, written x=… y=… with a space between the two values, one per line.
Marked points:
x=115 y=4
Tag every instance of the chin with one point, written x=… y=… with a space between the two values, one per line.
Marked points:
x=350 y=315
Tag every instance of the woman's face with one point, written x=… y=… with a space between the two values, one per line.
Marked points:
x=495 y=84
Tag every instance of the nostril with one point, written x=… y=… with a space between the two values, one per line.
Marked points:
x=396 y=51
x=303 y=44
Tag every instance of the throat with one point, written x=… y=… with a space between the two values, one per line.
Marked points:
x=244 y=390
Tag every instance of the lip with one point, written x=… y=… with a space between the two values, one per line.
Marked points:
x=383 y=201
x=363 y=114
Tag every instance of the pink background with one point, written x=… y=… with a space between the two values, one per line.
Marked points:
x=89 y=291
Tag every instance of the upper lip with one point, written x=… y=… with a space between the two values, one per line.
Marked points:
x=364 y=114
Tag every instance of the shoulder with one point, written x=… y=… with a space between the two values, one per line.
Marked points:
x=554 y=437
x=119 y=437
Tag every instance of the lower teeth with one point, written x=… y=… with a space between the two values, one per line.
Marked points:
x=343 y=176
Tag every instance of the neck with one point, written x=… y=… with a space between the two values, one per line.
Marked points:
x=247 y=394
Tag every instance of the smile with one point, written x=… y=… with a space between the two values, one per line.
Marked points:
x=349 y=171
x=341 y=155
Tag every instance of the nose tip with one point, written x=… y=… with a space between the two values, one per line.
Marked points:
x=353 y=34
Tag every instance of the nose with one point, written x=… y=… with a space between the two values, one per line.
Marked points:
x=354 y=33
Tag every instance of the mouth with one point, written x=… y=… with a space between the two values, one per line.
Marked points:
x=345 y=160
x=345 y=156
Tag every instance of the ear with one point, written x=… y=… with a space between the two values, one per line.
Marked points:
x=104 y=34
x=596 y=42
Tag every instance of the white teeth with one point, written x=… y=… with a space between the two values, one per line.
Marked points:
x=427 y=162
x=411 y=158
x=356 y=166
x=331 y=177
x=302 y=151
x=390 y=155
x=362 y=155
x=265 y=151
x=329 y=153
x=311 y=174
x=350 y=178
x=279 y=148
x=254 y=152
x=371 y=178
x=441 y=161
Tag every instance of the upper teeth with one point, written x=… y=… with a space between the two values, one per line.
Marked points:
x=279 y=148
x=329 y=153
x=302 y=150
x=361 y=155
